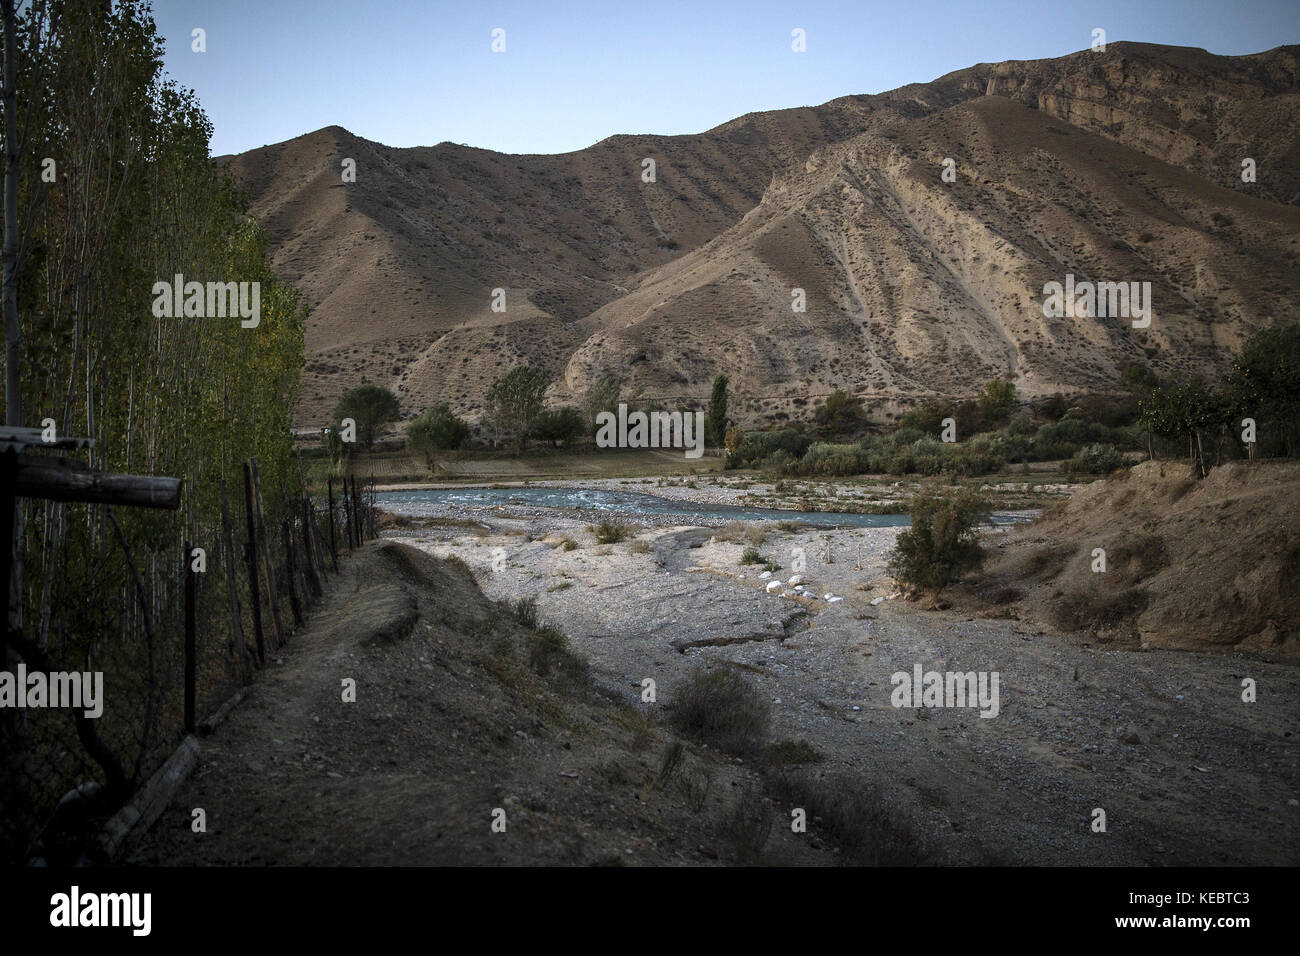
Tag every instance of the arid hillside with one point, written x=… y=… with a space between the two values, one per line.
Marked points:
x=1123 y=165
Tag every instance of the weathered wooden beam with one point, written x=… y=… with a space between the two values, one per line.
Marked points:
x=20 y=438
x=61 y=483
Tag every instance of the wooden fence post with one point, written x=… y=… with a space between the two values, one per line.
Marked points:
x=356 y=513
x=291 y=567
x=271 y=597
x=314 y=563
x=239 y=646
x=252 y=563
x=191 y=665
x=334 y=550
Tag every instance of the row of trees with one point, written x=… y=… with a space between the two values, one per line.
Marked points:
x=1252 y=411
x=1259 y=399
x=514 y=406
x=109 y=189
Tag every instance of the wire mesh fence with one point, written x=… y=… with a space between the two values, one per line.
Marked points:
x=155 y=638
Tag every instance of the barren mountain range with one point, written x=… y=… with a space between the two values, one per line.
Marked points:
x=1123 y=165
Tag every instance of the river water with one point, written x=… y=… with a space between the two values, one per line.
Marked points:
x=624 y=504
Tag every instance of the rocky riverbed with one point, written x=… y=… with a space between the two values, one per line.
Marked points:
x=1161 y=742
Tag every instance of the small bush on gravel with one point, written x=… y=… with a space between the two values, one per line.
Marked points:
x=720 y=709
x=610 y=531
x=857 y=818
x=738 y=532
x=751 y=556
x=942 y=543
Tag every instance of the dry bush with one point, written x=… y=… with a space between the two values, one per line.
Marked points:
x=610 y=531
x=1090 y=611
x=720 y=709
x=857 y=818
x=738 y=532
x=784 y=753
x=748 y=825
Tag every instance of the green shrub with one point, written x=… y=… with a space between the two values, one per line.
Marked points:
x=610 y=531
x=1095 y=460
x=942 y=543
x=549 y=653
x=751 y=556
x=757 y=447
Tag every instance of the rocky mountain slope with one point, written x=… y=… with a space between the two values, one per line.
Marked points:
x=1123 y=165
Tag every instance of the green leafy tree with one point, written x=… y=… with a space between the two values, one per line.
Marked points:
x=840 y=414
x=371 y=407
x=928 y=416
x=134 y=199
x=1264 y=384
x=942 y=542
x=438 y=429
x=560 y=425
x=715 y=424
x=998 y=402
x=1184 y=411
x=601 y=396
x=515 y=400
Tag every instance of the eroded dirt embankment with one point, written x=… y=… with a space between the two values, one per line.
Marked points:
x=460 y=710
x=1209 y=564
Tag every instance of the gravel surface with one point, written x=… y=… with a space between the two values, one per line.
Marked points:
x=1186 y=772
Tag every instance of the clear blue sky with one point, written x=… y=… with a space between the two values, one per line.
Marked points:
x=418 y=72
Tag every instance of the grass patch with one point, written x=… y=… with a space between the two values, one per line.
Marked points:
x=721 y=709
x=785 y=753
x=748 y=825
x=738 y=532
x=549 y=654
x=525 y=612
x=857 y=818
x=751 y=556
x=638 y=546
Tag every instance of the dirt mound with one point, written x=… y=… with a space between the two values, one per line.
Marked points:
x=1188 y=564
